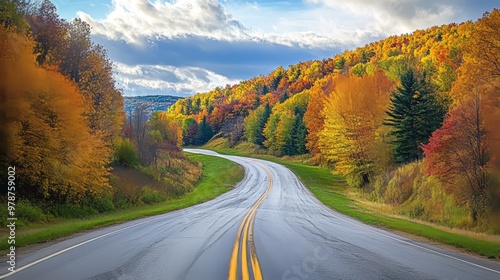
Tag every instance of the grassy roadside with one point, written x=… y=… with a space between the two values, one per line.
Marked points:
x=331 y=191
x=210 y=186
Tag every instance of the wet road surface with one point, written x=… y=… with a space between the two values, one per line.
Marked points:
x=268 y=227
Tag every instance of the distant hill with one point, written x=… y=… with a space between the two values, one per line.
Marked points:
x=151 y=102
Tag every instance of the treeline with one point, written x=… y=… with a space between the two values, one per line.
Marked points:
x=411 y=120
x=64 y=126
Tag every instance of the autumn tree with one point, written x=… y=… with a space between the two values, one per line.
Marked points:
x=139 y=133
x=255 y=123
x=413 y=114
x=57 y=156
x=12 y=14
x=49 y=32
x=458 y=154
x=164 y=137
x=464 y=153
x=189 y=130
x=68 y=48
x=351 y=139
x=105 y=112
x=314 y=119
x=280 y=127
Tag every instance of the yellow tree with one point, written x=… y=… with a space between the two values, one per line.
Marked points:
x=352 y=137
x=313 y=117
x=49 y=140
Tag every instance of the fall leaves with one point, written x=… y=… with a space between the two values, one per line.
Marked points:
x=352 y=137
x=51 y=144
x=63 y=110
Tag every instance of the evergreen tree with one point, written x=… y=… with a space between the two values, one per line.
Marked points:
x=284 y=97
x=414 y=114
x=205 y=132
x=262 y=123
x=299 y=133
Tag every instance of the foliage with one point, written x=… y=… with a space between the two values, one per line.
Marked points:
x=57 y=155
x=151 y=196
x=351 y=138
x=464 y=153
x=314 y=119
x=125 y=152
x=285 y=130
x=204 y=133
x=255 y=123
x=413 y=115
x=12 y=14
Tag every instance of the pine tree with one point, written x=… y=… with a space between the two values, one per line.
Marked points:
x=414 y=114
x=205 y=132
x=299 y=133
x=262 y=123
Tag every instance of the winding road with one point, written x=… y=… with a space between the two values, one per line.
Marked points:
x=268 y=227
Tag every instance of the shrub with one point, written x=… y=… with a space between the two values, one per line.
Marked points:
x=27 y=212
x=72 y=211
x=151 y=196
x=125 y=152
x=400 y=186
x=103 y=204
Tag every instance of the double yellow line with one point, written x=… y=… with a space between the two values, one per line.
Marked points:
x=246 y=229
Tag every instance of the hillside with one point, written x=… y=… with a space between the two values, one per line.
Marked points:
x=152 y=103
x=406 y=109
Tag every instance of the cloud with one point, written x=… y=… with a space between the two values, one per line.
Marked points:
x=133 y=20
x=140 y=21
x=180 y=81
x=396 y=16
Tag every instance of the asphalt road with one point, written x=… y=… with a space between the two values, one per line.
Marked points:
x=268 y=227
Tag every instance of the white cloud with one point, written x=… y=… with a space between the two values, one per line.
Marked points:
x=139 y=21
x=132 y=20
x=172 y=80
x=390 y=17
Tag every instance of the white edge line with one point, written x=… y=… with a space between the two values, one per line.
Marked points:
x=368 y=227
x=73 y=247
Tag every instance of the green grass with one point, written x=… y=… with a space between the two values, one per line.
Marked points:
x=331 y=191
x=211 y=185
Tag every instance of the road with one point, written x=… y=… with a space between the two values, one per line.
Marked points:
x=268 y=227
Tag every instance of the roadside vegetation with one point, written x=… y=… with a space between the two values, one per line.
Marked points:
x=333 y=191
x=39 y=224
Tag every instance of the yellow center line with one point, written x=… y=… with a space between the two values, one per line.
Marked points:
x=246 y=229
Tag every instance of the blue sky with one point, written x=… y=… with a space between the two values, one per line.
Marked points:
x=182 y=47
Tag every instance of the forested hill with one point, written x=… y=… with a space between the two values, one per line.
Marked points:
x=430 y=96
x=151 y=103
x=437 y=51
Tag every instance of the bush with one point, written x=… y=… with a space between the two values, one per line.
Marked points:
x=125 y=153
x=28 y=212
x=151 y=196
x=72 y=211
x=400 y=186
x=123 y=201
x=103 y=204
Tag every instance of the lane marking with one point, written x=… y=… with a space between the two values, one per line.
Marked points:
x=73 y=247
x=245 y=237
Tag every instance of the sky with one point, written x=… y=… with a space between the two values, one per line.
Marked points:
x=183 y=47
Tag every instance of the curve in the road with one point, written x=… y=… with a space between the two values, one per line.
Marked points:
x=245 y=238
x=282 y=232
